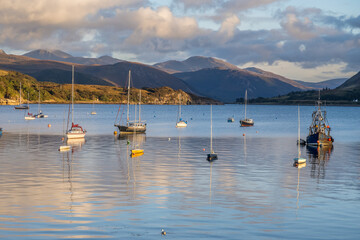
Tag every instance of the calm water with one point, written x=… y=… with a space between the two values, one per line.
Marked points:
x=252 y=192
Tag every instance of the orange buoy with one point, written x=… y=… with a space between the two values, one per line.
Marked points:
x=62 y=139
x=115 y=132
x=203 y=149
x=49 y=125
x=243 y=134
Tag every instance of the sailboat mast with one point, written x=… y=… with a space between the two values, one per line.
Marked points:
x=72 y=95
x=128 y=100
x=211 y=149
x=245 y=102
x=140 y=107
x=39 y=101
x=20 y=94
x=180 y=106
x=299 y=130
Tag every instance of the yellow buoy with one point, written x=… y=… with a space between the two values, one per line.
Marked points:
x=115 y=132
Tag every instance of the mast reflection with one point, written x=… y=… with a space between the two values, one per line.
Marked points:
x=318 y=158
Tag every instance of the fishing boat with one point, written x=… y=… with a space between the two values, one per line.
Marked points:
x=180 y=122
x=21 y=106
x=40 y=114
x=299 y=159
x=76 y=131
x=319 y=130
x=246 y=122
x=212 y=155
x=136 y=126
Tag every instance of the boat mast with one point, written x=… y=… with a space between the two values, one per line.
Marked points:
x=39 y=101
x=299 y=131
x=72 y=95
x=211 y=149
x=20 y=94
x=128 y=100
x=245 y=102
x=140 y=107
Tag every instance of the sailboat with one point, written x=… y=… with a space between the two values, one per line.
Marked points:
x=76 y=131
x=136 y=126
x=246 y=122
x=212 y=155
x=20 y=106
x=231 y=119
x=180 y=123
x=319 y=130
x=299 y=159
x=40 y=114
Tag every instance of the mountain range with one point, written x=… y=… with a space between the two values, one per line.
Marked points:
x=204 y=76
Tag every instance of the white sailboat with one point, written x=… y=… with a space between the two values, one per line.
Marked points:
x=93 y=110
x=180 y=123
x=20 y=106
x=212 y=155
x=136 y=126
x=76 y=131
x=40 y=114
x=246 y=122
x=299 y=159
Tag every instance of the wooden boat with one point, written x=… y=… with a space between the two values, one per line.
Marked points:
x=21 y=106
x=212 y=155
x=76 y=131
x=136 y=126
x=246 y=122
x=319 y=130
x=180 y=123
x=299 y=159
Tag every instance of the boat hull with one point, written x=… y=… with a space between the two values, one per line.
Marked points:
x=230 y=120
x=72 y=135
x=212 y=157
x=21 y=107
x=29 y=118
x=131 y=129
x=181 y=124
x=246 y=123
x=319 y=139
x=299 y=160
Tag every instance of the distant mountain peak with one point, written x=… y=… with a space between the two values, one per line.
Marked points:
x=193 y=63
x=48 y=54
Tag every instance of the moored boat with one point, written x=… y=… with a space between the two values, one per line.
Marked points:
x=136 y=126
x=76 y=131
x=21 y=106
x=246 y=122
x=319 y=130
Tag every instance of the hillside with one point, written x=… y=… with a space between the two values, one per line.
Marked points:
x=193 y=64
x=331 y=84
x=227 y=85
x=115 y=74
x=347 y=93
x=61 y=93
x=57 y=55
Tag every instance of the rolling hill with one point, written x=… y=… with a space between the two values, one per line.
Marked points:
x=229 y=84
x=331 y=84
x=57 y=55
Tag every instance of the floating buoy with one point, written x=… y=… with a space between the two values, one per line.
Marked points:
x=257 y=131
x=163 y=232
x=49 y=125
x=128 y=142
x=243 y=134
x=62 y=139
x=169 y=139
x=115 y=132
x=203 y=149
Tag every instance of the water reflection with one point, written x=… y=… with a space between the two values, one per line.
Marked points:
x=76 y=143
x=318 y=158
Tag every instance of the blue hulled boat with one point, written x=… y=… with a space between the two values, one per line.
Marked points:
x=319 y=130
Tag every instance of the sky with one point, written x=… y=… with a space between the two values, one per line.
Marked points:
x=304 y=40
